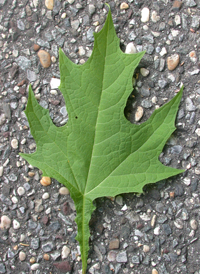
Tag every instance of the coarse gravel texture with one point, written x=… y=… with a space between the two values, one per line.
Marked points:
x=157 y=232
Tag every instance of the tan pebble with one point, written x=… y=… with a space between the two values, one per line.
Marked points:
x=124 y=6
x=45 y=181
x=154 y=271
x=15 y=247
x=153 y=220
x=45 y=58
x=114 y=244
x=172 y=61
x=14 y=143
x=171 y=194
x=65 y=252
x=22 y=256
x=31 y=174
x=46 y=257
x=49 y=4
x=32 y=260
x=64 y=191
x=146 y=248
x=36 y=47
x=53 y=59
x=139 y=113
x=194 y=224
x=5 y=222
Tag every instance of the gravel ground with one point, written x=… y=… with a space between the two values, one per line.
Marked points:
x=157 y=232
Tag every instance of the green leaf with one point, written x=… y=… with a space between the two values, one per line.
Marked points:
x=98 y=152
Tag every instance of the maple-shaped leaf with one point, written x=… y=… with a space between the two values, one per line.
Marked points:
x=99 y=152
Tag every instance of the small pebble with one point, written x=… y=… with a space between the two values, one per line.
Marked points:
x=173 y=61
x=163 y=51
x=114 y=244
x=45 y=58
x=5 y=222
x=157 y=230
x=14 y=143
x=22 y=256
x=65 y=252
x=20 y=191
x=146 y=248
x=14 y=200
x=54 y=83
x=155 y=17
x=145 y=15
x=36 y=47
x=63 y=191
x=124 y=6
x=154 y=271
x=194 y=224
x=139 y=113
x=46 y=257
x=35 y=266
x=16 y=224
x=1 y=171
x=32 y=260
x=45 y=181
x=193 y=56
x=178 y=223
x=49 y=4
x=144 y=72
x=130 y=48
x=53 y=59
x=45 y=196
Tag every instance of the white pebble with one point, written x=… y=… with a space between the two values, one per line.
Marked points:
x=193 y=56
x=64 y=15
x=23 y=141
x=144 y=72
x=5 y=222
x=54 y=92
x=53 y=59
x=194 y=224
x=45 y=196
x=154 y=100
x=81 y=51
x=175 y=32
x=146 y=248
x=155 y=17
x=145 y=27
x=130 y=48
x=35 y=266
x=14 y=200
x=156 y=230
x=63 y=191
x=65 y=252
x=22 y=256
x=187 y=181
x=1 y=171
x=54 y=83
x=22 y=237
x=139 y=113
x=14 y=143
x=177 y=19
x=20 y=191
x=16 y=224
x=197 y=131
x=163 y=51
x=145 y=15
x=178 y=223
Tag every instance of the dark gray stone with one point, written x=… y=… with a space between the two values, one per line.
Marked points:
x=31 y=75
x=55 y=226
x=146 y=260
x=175 y=149
x=167 y=229
x=89 y=35
x=35 y=243
x=189 y=105
x=2 y=266
x=145 y=91
x=132 y=36
x=48 y=247
x=31 y=224
x=162 y=83
x=190 y=3
x=146 y=103
x=135 y=260
x=43 y=43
